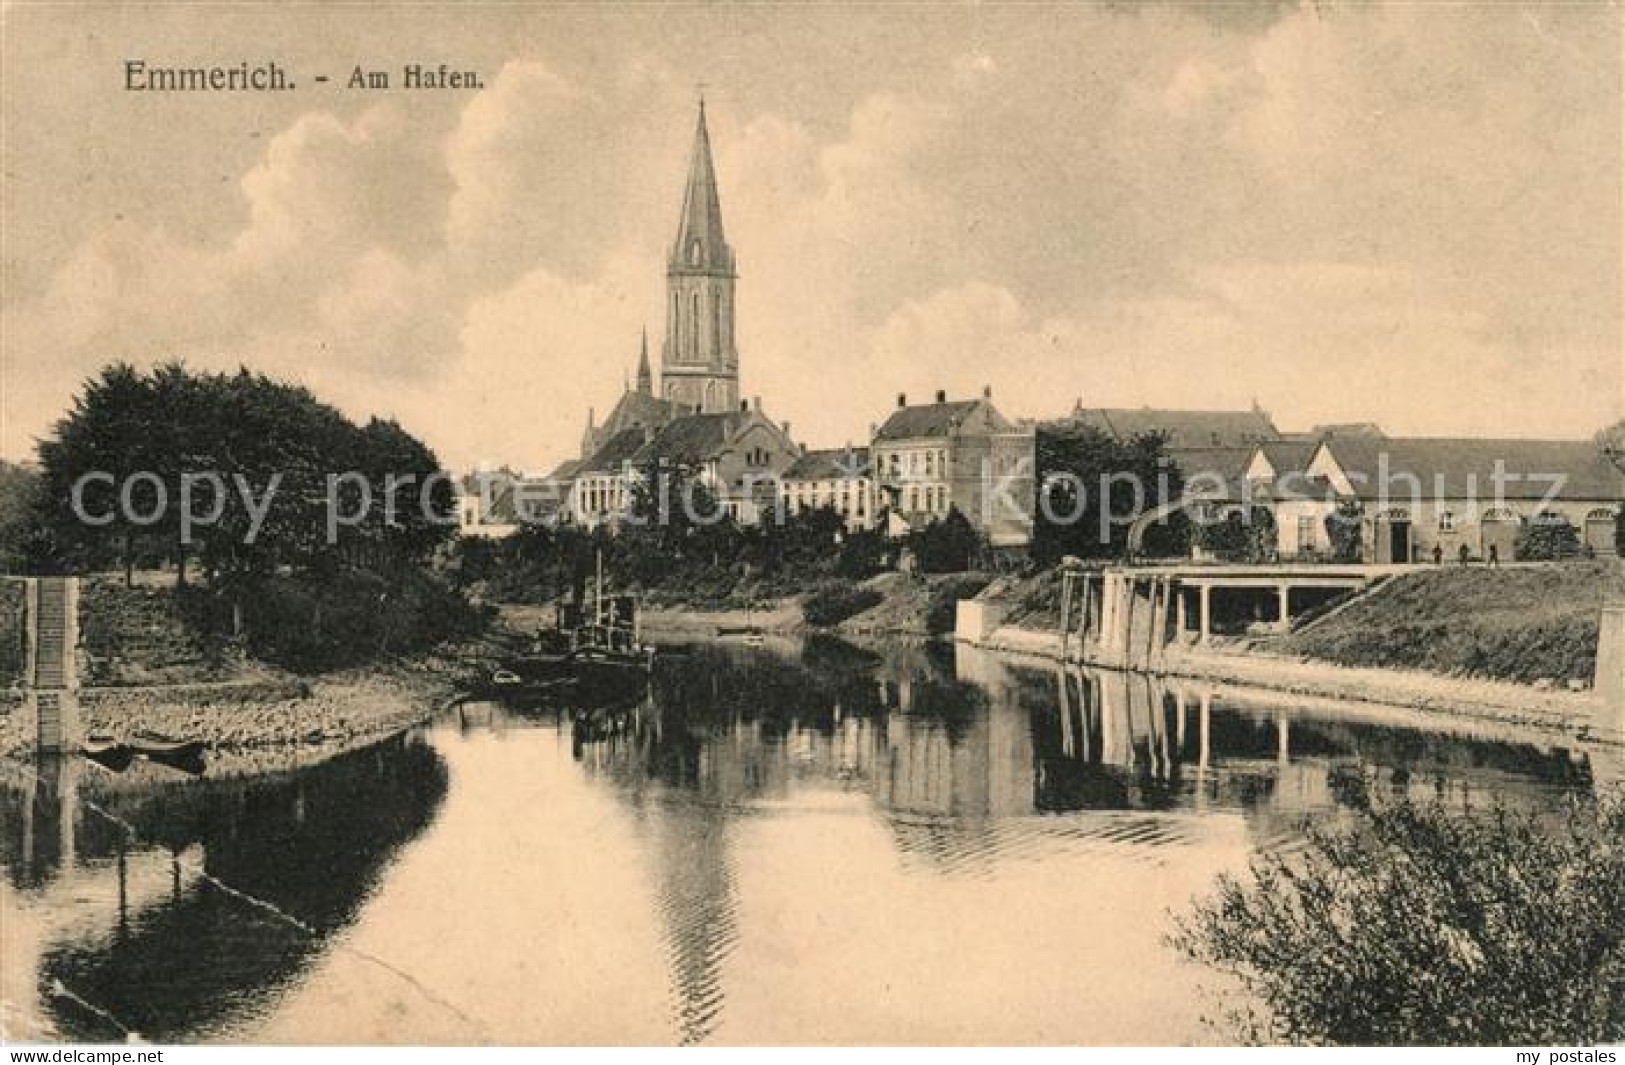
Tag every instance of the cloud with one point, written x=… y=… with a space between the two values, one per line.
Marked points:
x=326 y=189
x=1301 y=339
x=524 y=173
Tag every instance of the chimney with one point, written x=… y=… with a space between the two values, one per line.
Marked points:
x=744 y=405
x=987 y=391
x=902 y=399
x=942 y=396
x=786 y=427
x=873 y=429
x=756 y=403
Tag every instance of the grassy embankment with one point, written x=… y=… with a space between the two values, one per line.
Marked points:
x=1524 y=624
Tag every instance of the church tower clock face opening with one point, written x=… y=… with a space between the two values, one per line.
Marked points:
x=699 y=365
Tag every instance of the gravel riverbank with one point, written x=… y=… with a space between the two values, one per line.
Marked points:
x=332 y=712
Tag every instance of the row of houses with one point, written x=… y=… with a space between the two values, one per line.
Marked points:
x=1424 y=498
x=922 y=462
x=1416 y=498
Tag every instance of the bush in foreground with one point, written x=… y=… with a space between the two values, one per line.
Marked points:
x=1546 y=538
x=837 y=601
x=1420 y=926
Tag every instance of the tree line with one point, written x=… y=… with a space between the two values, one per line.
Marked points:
x=287 y=525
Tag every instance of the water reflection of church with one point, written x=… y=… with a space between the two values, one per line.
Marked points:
x=970 y=762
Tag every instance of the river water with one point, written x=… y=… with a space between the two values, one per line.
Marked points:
x=807 y=843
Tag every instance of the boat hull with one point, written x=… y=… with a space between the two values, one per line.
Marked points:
x=109 y=754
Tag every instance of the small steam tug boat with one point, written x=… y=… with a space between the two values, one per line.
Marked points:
x=594 y=651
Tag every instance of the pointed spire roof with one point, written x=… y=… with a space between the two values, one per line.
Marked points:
x=700 y=244
x=645 y=378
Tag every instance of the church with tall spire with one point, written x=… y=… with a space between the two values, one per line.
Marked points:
x=691 y=417
x=699 y=363
x=699 y=360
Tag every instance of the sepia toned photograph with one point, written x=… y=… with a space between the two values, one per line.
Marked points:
x=892 y=524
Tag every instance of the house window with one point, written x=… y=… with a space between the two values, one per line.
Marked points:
x=1306 y=532
x=1447 y=521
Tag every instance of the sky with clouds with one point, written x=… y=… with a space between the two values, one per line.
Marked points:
x=1409 y=214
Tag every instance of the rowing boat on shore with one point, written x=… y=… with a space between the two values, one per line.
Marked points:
x=107 y=752
x=184 y=755
x=116 y=755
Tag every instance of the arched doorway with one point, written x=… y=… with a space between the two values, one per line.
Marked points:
x=1393 y=536
x=1601 y=527
x=1498 y=533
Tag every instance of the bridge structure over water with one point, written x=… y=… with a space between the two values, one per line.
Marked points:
x=1127 y=615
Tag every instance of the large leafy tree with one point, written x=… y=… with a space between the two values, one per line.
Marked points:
x=1612 y=442
x=1092 y=485
x=21 y=536
x=253 y=461
x=309 y=530
x=112 y=433
x=948 y=545
x=673 y=509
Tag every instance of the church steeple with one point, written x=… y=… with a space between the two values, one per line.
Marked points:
x=700 y=244
x=699 y=364
x=645 y=378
